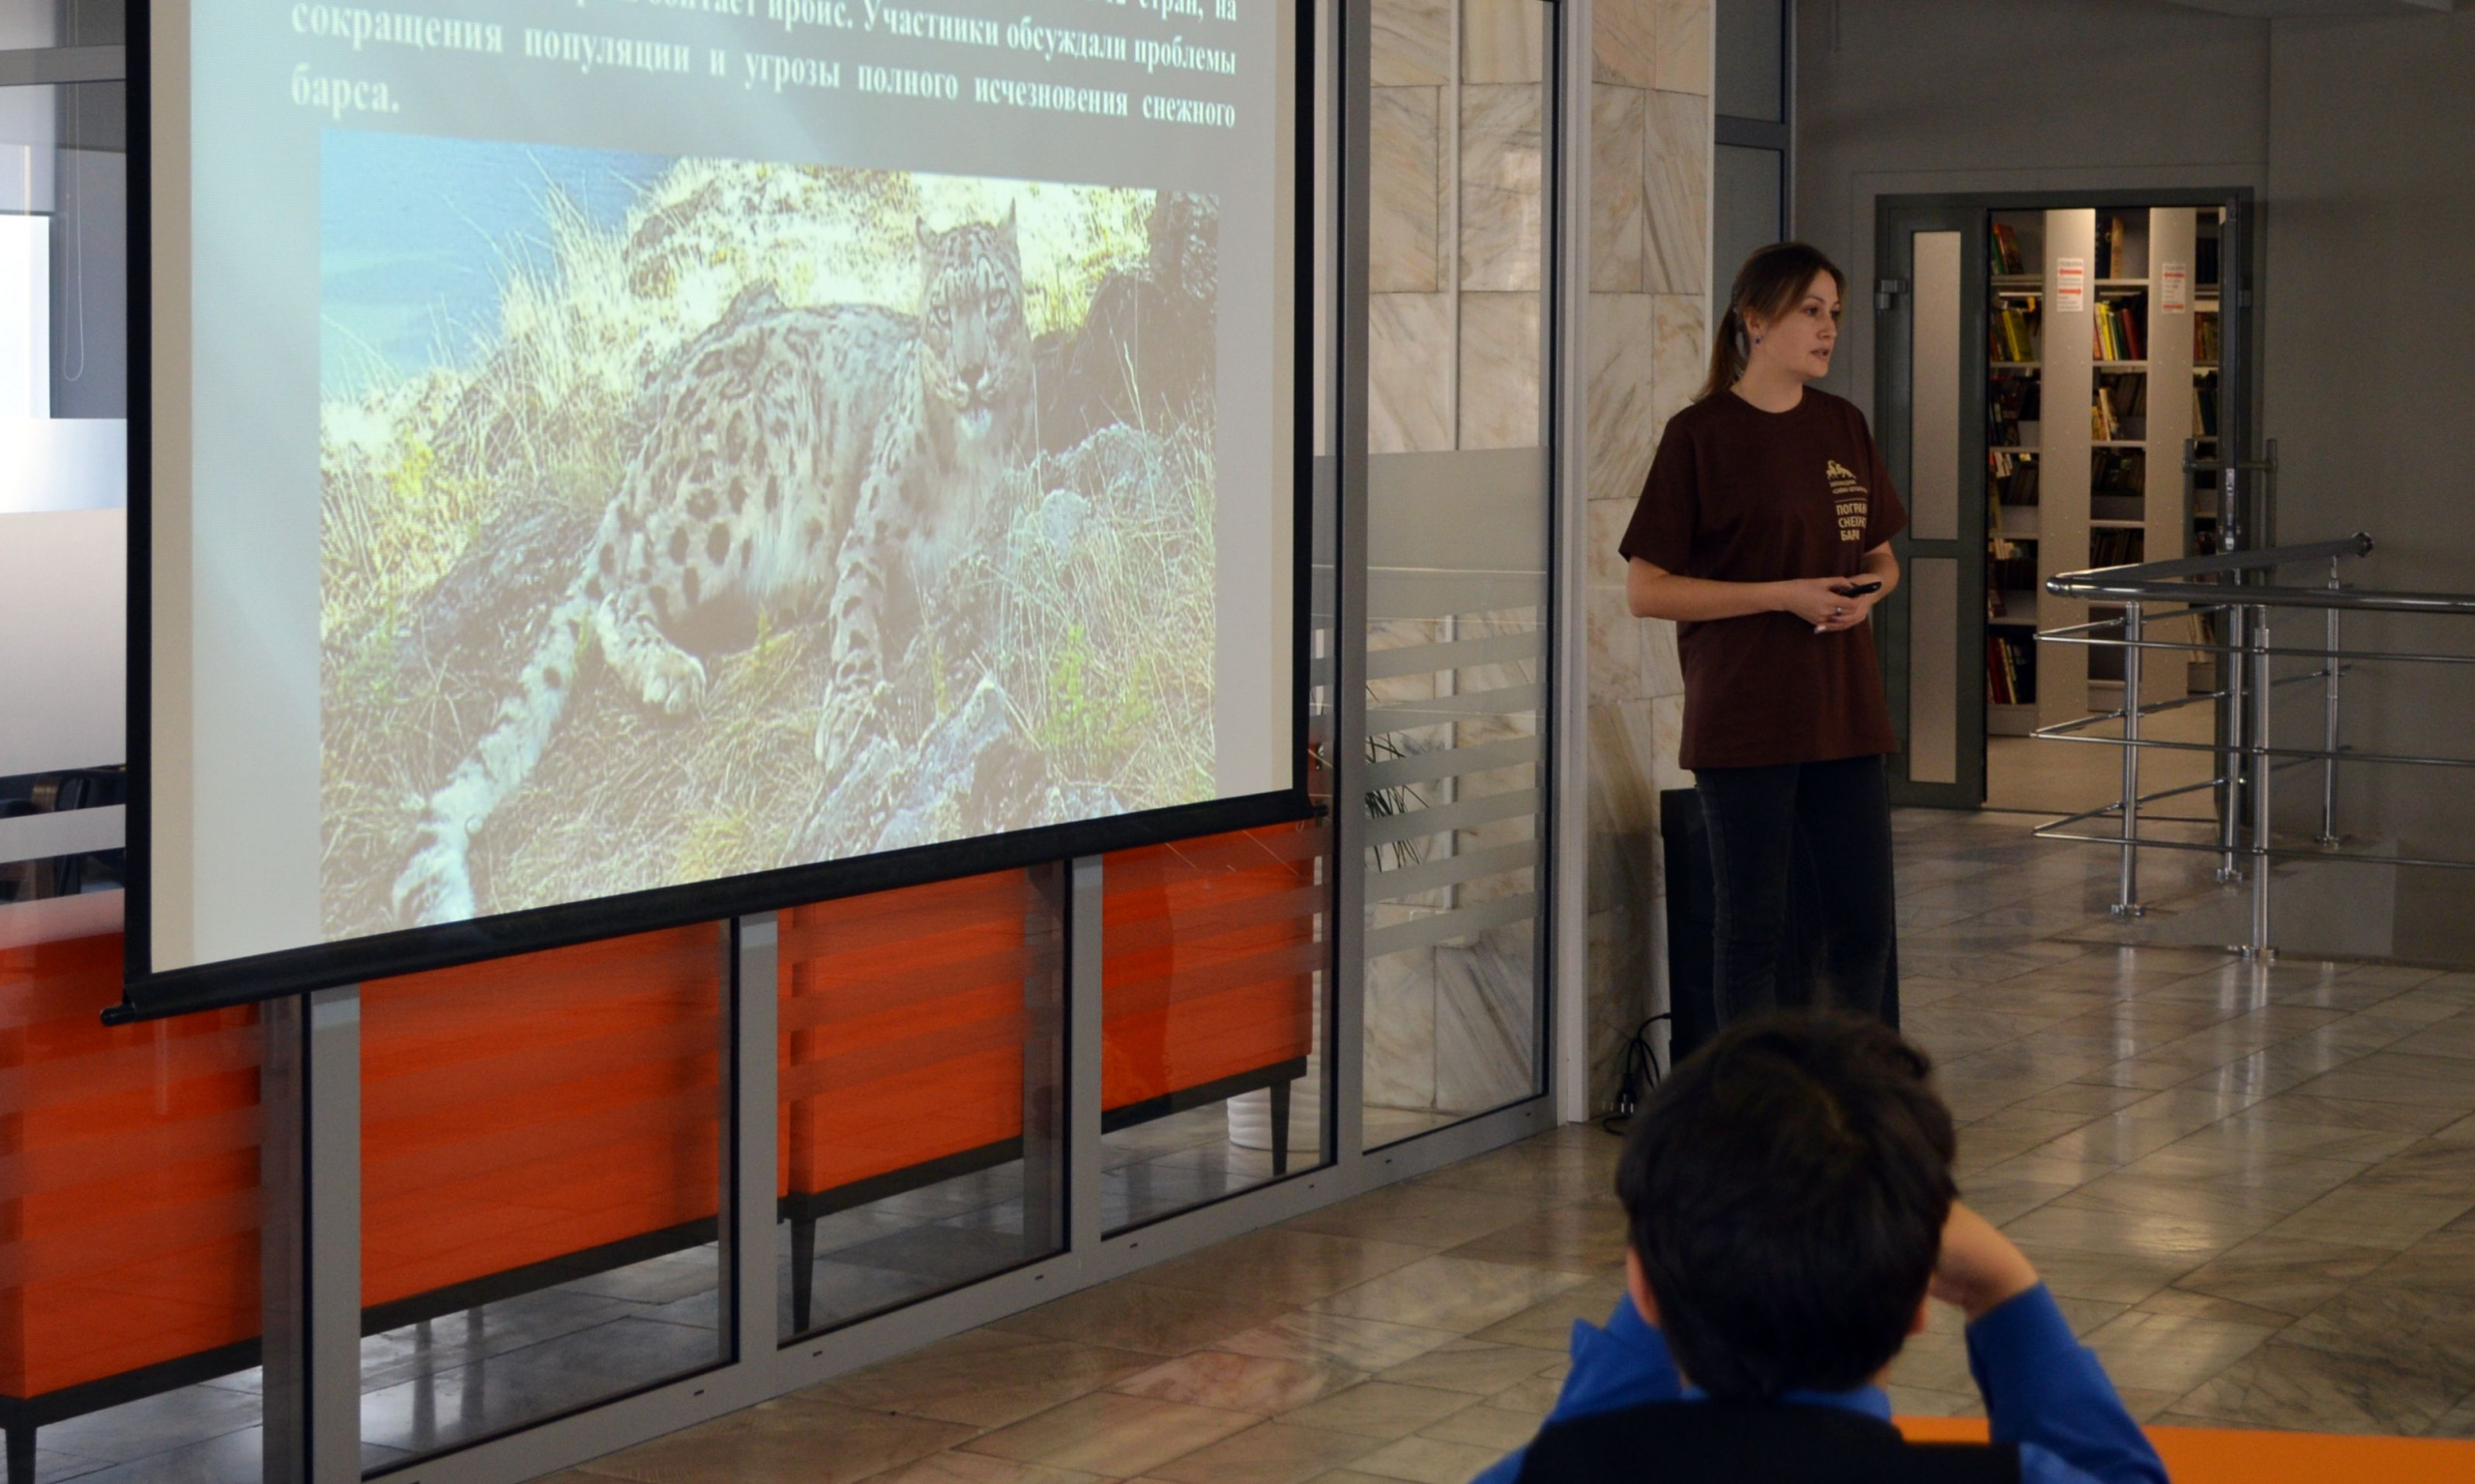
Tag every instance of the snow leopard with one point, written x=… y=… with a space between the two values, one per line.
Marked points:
x=793 y=460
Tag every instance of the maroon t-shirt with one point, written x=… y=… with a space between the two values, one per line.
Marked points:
x=1742 y=495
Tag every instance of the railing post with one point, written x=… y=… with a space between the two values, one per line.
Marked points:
x=2329 y=726
x=2261 y=771
x=2232 y=662
x=2127 y=902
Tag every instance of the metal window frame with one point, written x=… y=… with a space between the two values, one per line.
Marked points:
x=1776 y=134
x=310 y=1223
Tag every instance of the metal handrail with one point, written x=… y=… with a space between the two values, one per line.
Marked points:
x=2215 y=584
x=2279 y=597
x=2218 y=562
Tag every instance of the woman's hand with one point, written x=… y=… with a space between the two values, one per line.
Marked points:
x=1819 y=601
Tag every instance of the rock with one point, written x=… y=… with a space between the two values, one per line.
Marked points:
x=968 y=776
x=1061 y=516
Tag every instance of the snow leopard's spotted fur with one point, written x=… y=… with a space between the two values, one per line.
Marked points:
x=795 y=457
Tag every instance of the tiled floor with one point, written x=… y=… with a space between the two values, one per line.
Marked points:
x=2254 y=1190
x=435 y=1385
x=2052 y=777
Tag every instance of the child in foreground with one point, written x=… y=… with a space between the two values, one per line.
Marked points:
x=1793 y=1215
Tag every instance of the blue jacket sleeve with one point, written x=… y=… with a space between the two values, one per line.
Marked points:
x=1625 y=1364
x=2046 y=1391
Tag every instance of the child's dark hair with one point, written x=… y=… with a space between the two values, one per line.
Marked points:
x=1787 y=1188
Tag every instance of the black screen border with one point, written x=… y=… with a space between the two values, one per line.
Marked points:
x=149 y=994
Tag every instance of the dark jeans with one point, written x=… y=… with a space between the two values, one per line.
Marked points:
x=1759 y=820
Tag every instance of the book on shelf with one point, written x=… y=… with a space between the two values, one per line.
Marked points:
x=2005 y=245
x=2208 y=342
x=2014 y=335
x=2118 y=408
x=2117 y=331
x=2011 y=477
x=2118 y=471
x=2013 y=409
x=2115 y=546
x=2205 y=404
x=2010 y=671
x=2116 y=239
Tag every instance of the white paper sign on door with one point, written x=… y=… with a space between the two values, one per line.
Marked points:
x=2174 y=288
x=2071 y=284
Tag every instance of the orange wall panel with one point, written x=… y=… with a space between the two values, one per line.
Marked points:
x=1208 y=959
x=528 y=1108
x=903 y=1022
x=129 y=1163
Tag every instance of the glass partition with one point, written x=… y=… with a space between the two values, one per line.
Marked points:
x=1211 y=991
x=64 y=487
x=920 y=1079
x=1457 y=591
x=129 y=1213
x=541 y=1144
x=129 y=1158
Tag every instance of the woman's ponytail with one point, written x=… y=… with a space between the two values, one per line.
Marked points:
x=1727 y=356
x=1770 y=284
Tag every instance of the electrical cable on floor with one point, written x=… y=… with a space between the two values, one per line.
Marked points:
x=1641 y=1075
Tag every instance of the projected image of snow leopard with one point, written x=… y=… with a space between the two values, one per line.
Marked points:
x=795 y=456
x=683 y=518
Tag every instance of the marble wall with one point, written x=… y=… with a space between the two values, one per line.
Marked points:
x=1455 y=225
x=1454 y=361
x=1643 y=344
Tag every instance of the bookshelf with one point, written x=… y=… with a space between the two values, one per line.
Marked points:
x=2104 y=318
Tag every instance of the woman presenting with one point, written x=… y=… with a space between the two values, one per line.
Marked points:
x=1764 y=533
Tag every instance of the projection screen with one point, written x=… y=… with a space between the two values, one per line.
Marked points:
x=686 y=450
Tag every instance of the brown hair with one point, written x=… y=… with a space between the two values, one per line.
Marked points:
x=1769 y=284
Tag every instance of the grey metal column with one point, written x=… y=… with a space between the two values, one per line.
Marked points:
x=2235 y=658
x=1044 y=1076
x=2329 y=724
x=1354 y=72
x=2127 y=901
x=1567 y=758
x=1083 y=1015
x=2263 y=770
x=751 y=1028
x=310 y=1237
x=2232 y=714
